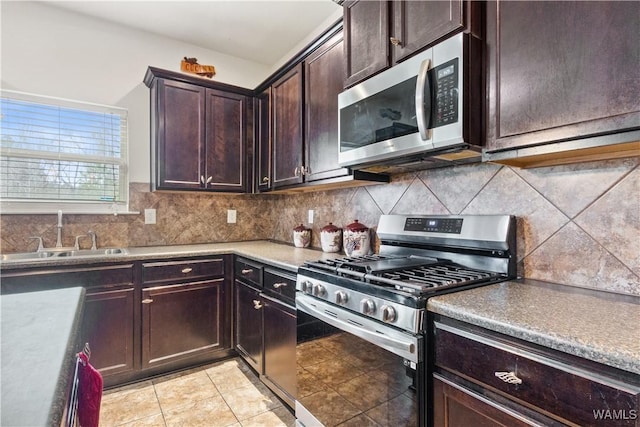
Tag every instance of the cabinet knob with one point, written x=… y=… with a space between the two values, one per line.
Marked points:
x=296 y=171
x=265 y=179
x=279 y=285
x=257 y=304
x=187 y=270
x=247 y=270
x=394 y=41
x=147 y=301
x=209 y=179
x=508 y=377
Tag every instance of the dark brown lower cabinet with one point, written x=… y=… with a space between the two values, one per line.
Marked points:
x=248 y=324
x=108 y=326
x=485 y=378
x=183 y=322
x=280 y=348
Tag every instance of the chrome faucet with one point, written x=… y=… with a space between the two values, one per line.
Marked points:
x=40 y=245
x=76 y=246
x=59 y=241
x=94 y=245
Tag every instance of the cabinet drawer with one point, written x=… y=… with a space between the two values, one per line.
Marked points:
x=178 y=271
x=566 y=392
x=280 y=286
x=248 y=272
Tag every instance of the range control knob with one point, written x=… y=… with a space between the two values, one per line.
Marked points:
x=341 y=297
x=388 y=314
x=307 y=287
x=319 y=291
x=367 y=306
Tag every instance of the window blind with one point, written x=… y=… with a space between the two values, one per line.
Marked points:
x=56 y=150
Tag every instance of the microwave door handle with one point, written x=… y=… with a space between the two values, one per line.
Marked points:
x=421 y=112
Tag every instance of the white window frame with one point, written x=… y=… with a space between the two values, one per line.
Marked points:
x=39 y=206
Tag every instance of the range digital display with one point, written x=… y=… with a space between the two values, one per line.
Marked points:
x=434 y=225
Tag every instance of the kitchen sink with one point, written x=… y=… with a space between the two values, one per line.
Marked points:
x=93 y=252
x=25 y=256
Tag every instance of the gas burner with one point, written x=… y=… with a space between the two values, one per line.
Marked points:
x=427 y=278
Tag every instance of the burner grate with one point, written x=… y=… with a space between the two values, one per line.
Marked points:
x=423 y=279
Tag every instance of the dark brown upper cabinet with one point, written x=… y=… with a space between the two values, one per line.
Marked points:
x=562 y=81
x=324 y=80
x=263 y=138
x=198 y=133
x=287 y=128
x=379 y=34
x=297 y=123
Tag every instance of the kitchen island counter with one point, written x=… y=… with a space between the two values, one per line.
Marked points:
x=39 y=338
x=594 y=325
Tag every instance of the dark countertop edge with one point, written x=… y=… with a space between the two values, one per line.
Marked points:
x=147 y=252
x=574 y=348
x=58 y=410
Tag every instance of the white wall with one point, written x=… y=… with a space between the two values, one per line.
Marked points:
x=305 y=41
x=54 y=52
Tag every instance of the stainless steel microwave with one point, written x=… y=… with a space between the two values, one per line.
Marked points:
x=425 y=111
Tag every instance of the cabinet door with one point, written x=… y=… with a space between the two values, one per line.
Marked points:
x=263 y=137
x=108 y=326
x=287 y=102
x=456 y=406
x=324 y=80
x=417 y=24
x=248 y=324
x=366 y=39
x=225 y=141
x=179 y=124
x=280 y=348
x=183 y=321
x=561 y=70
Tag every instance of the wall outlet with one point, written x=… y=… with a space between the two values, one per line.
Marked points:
x=310 y=216
x=231 y=216
x=149 y=216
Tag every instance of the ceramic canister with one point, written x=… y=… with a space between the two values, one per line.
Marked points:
x=331 y=238
x=356 y=239
x=301 y=236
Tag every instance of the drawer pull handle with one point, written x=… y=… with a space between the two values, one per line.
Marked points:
x=187 y=270
x=147 y=301
x=257 y=304
x=247 y=270
x=279 y=285
x=508 y=377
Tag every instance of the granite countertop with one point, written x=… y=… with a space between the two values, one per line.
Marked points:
x=280 y=255
x=595 y=325
x=39 y=334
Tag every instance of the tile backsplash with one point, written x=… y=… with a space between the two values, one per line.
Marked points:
x=577 y=224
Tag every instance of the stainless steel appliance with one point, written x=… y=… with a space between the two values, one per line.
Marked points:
x=425 y=111
x=363 y=336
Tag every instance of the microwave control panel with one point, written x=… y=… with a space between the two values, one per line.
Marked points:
x=444 y=79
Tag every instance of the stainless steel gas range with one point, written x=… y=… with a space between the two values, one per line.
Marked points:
x=363 y=335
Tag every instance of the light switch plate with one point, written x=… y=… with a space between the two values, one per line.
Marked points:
x=231 y=216
x=310 y=216
x=149 y=216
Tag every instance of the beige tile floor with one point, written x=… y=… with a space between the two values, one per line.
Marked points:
x=226 y=393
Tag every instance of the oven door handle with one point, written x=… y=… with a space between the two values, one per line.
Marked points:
x=421 y=112
x=407 y=349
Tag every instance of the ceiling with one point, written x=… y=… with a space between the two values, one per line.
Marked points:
x=263 y=31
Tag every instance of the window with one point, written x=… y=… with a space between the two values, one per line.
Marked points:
x=62 y=154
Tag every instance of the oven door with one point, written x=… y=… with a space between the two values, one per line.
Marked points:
x=356 y=370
